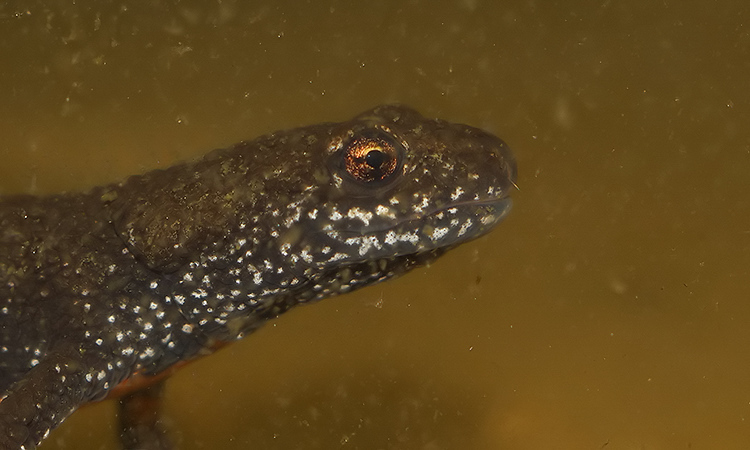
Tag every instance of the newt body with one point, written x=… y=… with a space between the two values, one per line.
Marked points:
x=129 y=279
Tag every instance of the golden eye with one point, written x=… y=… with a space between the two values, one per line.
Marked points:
x=370 y=159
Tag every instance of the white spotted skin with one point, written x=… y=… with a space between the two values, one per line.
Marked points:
x=135 y=277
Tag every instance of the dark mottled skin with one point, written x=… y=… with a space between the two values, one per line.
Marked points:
x=129 y=279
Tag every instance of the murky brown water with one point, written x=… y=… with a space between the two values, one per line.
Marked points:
x=610 y=311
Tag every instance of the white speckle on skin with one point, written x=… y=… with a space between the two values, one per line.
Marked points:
x=384 y=211
x=410 y=237
x=422 y=205
x=335 y=215
x=199 y=293
x=439 y=233
x=306 y=256
x=358 y=213
x=367 y=243
x=291 y=220
x=464 y=227
x=337 y=257
x=333 y=235
x=488 y=219
x=335 y=144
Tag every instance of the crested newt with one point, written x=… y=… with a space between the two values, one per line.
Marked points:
x=128 y=280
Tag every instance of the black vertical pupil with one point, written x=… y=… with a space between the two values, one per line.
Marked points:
x=376 y=159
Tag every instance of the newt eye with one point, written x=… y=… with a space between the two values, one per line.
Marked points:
x=372 y=157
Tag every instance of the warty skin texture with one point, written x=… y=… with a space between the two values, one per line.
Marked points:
x=129 y=279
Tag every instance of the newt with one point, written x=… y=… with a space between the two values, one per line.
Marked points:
x=125 y=281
